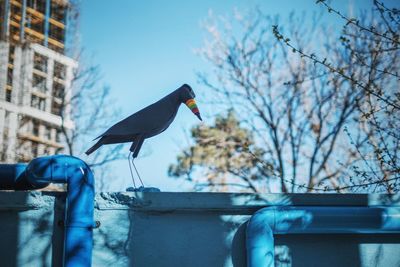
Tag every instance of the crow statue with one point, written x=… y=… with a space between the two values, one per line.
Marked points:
x=148 y=122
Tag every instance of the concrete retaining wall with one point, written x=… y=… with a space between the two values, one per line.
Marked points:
x=183 y=229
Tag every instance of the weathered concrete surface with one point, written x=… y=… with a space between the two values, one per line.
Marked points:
x=28 y=234
x=183 y=229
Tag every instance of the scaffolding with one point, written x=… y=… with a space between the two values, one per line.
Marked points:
x=37 y=21
x=34 y=79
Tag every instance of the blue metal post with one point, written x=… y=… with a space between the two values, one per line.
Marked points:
x=6 y=19
x=80 y=203
x=47 y=23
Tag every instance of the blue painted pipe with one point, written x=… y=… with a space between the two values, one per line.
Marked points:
x=13 y=177
x=284 y=220
x=78 y=222
x=80 y=203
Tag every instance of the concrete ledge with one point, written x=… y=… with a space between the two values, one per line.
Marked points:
x=232 y=203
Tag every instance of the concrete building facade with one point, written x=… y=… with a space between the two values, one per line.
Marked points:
x=35 y=78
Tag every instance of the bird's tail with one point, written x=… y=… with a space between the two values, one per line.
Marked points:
x=95 y=147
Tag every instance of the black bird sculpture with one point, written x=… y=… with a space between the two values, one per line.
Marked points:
x=148 y=122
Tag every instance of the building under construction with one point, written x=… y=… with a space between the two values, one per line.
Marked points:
x=35 y=78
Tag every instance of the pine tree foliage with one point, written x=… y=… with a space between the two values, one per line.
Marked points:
x=221 y=150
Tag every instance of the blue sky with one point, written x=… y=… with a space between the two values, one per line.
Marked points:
x=145 y=50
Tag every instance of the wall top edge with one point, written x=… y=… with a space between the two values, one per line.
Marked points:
x=233 y=203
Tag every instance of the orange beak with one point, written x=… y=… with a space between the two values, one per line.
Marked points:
x=191 y=104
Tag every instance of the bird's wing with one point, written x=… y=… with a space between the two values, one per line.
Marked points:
x=154 y=118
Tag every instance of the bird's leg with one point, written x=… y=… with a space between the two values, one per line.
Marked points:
x=130 y=168
x=136 y=146
x=140 y=179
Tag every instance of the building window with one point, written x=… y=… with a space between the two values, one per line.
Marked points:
x=57 y=33
x=58 y=136
x=15 y=11
x=35 y=23
x=47 y=133
x=34 y=149
x=8 y=95
x=56 y=108
x=39 y=82
x=35 y=127
x=40 y=62
x=58 y=90
x=47 y=151
x=7 y=118
x=59 y=49
x=5 y=146
x=14 y=32
x=9 y=76
x=33 y=38
x=57 y=11
x=38 y=102
x=11 y=54
x=38 y=5
x=59 y=70
x=4 y=152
